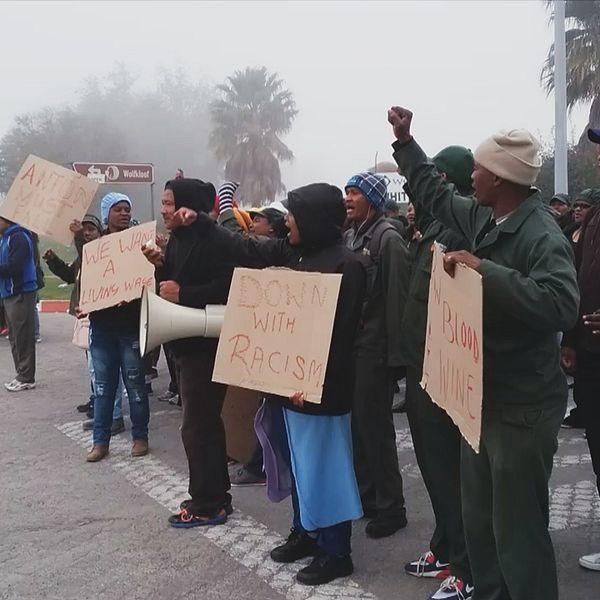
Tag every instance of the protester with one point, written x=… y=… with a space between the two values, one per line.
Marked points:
x=115 y=349
x=529 y=294
x=40 y=284
x=583 y=202
x=391 y=211
x=379 y=361
x=196 y=271
x=563 y=212
x=436 y=440
x=581 y=346
x=269 y=221
x=18 y=287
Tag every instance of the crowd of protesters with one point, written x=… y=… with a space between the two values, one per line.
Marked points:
x=337 y=460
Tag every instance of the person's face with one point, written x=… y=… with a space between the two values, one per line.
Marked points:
x=580 y=209
x=260 y=226
x=560 y=208
x=294 y=233
x=410 y=214
x=485 y=184
x=119 y=216
x=167 y=209
x=90 y=232
x=358 y=208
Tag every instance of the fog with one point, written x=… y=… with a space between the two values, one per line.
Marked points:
x=466 y=69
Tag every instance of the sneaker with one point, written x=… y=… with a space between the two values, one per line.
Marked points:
x=186 y=519
x=453 y=588
x=166 y=397
x=175 y=401
x=4 y=332
x=325 y=568
x=428 y=566
x=228 y=508
x=298 y=545
x=118 y=426
x=19 y=386
x=385 y=525
x=591 y=562
x=240 y=476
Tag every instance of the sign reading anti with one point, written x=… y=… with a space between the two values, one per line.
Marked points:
x=46 y=198
x=114 y=270
x=453 y=364
x=277 y=331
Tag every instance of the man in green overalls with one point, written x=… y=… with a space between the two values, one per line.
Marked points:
x=529 y=295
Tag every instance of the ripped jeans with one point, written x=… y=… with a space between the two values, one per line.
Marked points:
x=114 y=353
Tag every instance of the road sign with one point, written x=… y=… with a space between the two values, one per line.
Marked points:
x=116 y=172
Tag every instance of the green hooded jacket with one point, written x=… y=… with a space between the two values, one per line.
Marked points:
x=530 y=289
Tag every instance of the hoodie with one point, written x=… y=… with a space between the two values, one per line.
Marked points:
x=17 y=264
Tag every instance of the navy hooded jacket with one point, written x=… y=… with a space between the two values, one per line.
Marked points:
x=17 y=265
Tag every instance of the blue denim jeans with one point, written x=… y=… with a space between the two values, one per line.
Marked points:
x=115 y=352
x=118 y=409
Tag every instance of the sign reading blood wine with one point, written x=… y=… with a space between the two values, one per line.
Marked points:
x=114 y=270
x=453 y=365
x=46 y=198
x=277 y=331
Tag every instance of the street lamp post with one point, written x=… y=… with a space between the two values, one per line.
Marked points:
x=561 y=181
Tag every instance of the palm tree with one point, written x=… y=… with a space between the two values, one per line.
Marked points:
x=254 y=111
x=583 y=58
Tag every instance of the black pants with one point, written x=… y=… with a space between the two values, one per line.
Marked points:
x=437 y=444
x=587 y=396
x=506 y=505
x=374 y=439
x=170 y=358
x=20 y=318
x=202 y=432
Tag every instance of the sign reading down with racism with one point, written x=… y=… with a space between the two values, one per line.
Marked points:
x=277 y=331
x=453 y=365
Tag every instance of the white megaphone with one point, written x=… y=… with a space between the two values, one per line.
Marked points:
x=163 y=321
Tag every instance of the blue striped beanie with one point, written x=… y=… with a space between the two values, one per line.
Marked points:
x=372 y=186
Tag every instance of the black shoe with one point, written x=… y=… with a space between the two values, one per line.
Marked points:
x=149 y=389
x=84 y=407
x=325 y=568
x=90 y=414
x=228 y=508
x=572 y=422
x=383 y=525
x=298 y=545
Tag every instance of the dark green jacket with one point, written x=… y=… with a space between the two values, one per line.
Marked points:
x=414 y=322
x=379 y=332
x=529 y=284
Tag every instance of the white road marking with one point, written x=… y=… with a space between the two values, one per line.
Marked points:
x=572 y=460
x=244 y=538
x=574 y=505
x=404 y=439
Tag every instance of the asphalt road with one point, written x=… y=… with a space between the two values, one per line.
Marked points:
x=69 y=529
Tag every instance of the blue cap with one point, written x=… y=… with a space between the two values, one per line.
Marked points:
x=372 y=186
x=108 y=202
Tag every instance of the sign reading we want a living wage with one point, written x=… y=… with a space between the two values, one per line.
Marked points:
x=114 y=270
x=277 y=331
x=46 y=198
x=453 y=364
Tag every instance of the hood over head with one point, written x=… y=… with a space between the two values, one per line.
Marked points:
x=192 y=193
x=320 y=213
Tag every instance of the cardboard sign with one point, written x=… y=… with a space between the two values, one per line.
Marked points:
x=46 y=198
x=453 y=364
x=114 y=270
x=277 y=331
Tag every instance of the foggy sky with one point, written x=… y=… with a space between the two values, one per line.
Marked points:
x=466 y=69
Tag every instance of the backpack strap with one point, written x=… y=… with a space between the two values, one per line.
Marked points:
x=373 y=246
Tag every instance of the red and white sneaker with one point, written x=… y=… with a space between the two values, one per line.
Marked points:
x=428 y=566
x=453 y=588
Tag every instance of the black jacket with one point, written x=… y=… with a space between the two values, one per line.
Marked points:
x=320 y=213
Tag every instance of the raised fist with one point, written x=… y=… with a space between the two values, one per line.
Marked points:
x=400 y=119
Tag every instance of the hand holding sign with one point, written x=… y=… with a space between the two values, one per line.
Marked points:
x=460 y=257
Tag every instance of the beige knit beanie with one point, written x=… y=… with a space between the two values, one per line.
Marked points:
x=512 y=155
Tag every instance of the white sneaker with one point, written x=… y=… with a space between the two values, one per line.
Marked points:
x=453 y=588
x=591 y=562
x=18 y=386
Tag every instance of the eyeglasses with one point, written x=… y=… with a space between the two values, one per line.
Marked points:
x=583 y=205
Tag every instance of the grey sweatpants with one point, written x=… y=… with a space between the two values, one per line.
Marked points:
x=19 y=311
